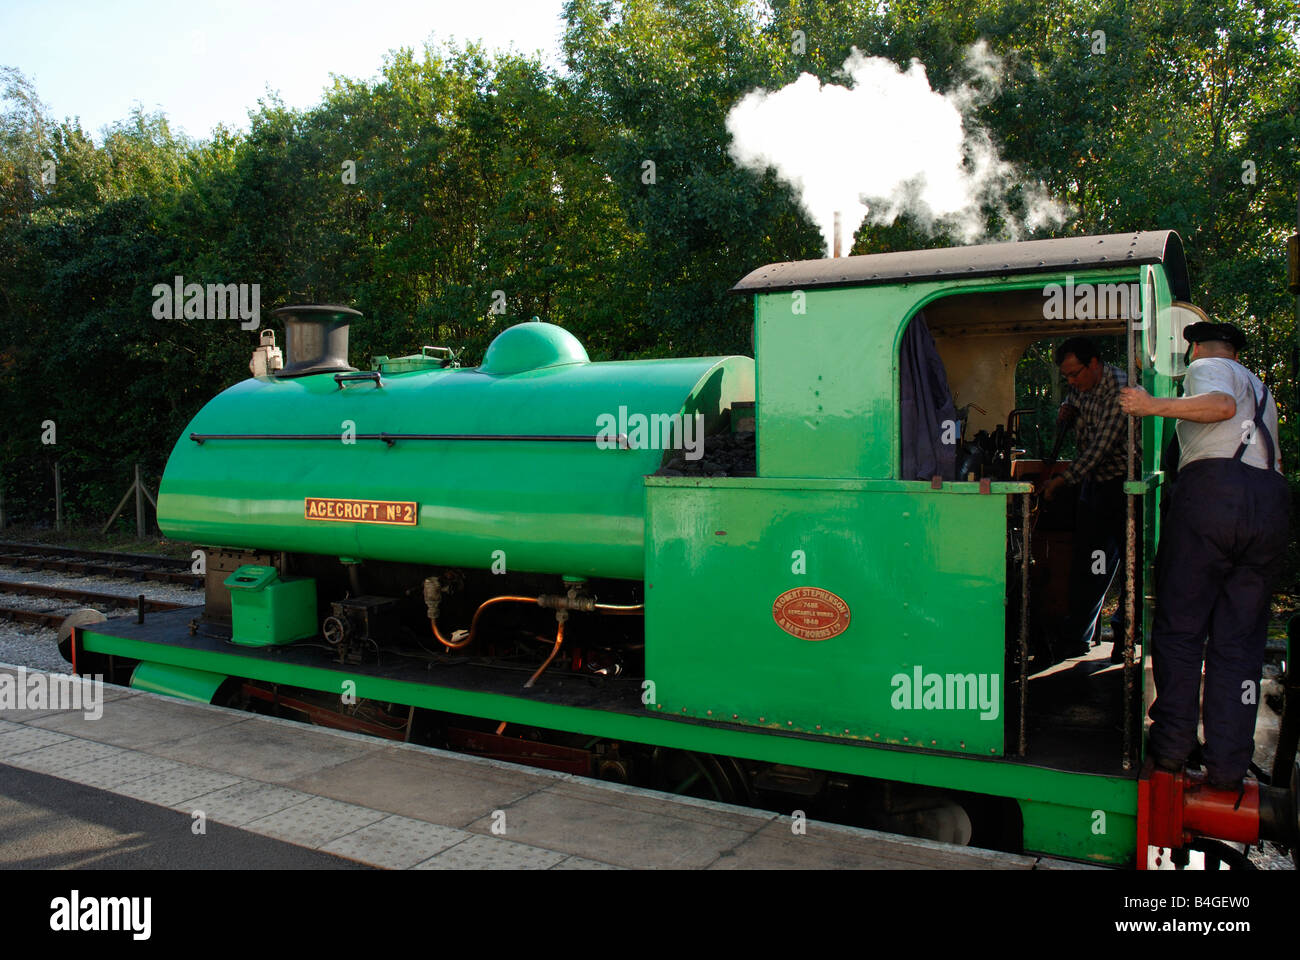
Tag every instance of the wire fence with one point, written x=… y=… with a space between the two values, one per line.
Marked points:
x=45 y=497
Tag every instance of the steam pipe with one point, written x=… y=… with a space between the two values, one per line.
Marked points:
x=465 y=641
x=559 y=639
x=545 y=601
x=631 y=610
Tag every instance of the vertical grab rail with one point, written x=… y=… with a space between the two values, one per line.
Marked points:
x=1130 y=535
x=1024 y=617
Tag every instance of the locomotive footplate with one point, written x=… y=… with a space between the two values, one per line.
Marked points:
x=180 y=637
x=179 y=645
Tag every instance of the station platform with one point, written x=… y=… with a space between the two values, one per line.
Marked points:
x=402 y=806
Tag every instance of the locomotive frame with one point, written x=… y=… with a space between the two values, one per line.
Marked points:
x=780 y=610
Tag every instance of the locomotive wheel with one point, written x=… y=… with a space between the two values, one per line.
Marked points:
x=702 y=775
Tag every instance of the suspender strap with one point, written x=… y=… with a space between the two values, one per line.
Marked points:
x=1260 y=428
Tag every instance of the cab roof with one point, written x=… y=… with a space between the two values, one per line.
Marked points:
x=980 y=260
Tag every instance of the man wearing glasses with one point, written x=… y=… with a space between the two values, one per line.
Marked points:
x=1098 y=470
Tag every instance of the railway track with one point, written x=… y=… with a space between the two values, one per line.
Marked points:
x=75 y=599
x=125 y=566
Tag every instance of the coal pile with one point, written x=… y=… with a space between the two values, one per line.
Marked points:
x=724 y=455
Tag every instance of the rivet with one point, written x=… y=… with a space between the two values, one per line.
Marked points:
x=709 y=712
x=905 y=739
x=819 y=726
x=963 y=744
x=761 y=719
x=933 y=742
x=735 y=716
x=683 y=709
x=789 y=723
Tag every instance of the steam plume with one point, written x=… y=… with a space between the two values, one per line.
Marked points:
x=887 y=144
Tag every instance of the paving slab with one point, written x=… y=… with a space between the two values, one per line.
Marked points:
x=492 y=853
x=60 y=757
x=396 y=842
x=579 y=863
x=47 y=823
x=25 y=739
x=428 y=786
x=117 y=769
x=176 y=786
x=107 y=692
x=244 y=801
x=643 y=800
x=150 y=721
x=621 y=829
x=828 y=846
x=1051 y=863
x=315 y=822
x=408 y=807
x=260 y=750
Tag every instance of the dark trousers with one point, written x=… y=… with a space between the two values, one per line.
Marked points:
x=1221 y=552
x=1098 y=549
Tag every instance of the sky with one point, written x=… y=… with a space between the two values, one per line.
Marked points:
x=205 y=62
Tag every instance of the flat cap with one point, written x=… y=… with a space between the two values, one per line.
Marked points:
x=1198 y=332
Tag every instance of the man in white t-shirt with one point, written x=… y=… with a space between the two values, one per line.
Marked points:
x=1221 y=549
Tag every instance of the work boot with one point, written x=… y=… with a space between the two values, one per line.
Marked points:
x=1236 y=787
x=1167 y=764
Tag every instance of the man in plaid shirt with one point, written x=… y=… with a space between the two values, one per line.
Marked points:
x=1098 y=470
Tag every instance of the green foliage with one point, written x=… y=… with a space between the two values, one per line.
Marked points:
x=476 y=173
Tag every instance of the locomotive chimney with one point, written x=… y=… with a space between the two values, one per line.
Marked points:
x=837 y=235
x=315 y=339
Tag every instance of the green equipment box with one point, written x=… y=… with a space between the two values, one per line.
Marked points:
x=266 y=610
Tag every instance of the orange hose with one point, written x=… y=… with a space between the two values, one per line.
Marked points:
x=632 y=610
x=473 y=625
x=609 y=608
x=559 y=639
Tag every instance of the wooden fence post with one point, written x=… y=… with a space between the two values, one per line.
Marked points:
x=141 y=495
x=139 y=505
x=58 y=498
